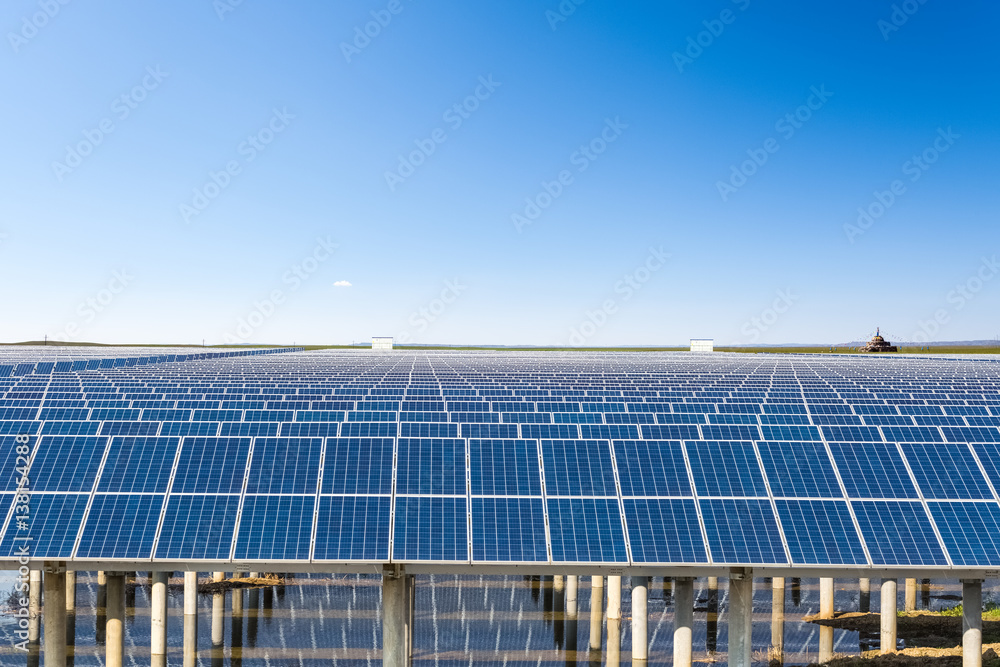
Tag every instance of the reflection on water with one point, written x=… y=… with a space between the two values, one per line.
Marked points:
x=469 y=620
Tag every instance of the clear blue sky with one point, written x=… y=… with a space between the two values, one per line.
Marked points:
x=103 y=237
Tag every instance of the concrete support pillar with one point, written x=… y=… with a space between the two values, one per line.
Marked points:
x=596 y=612
x=888 y=616
x=614 y=619
x=55 y=617
x=396 y=619
x=558 y=583
x=864 y=595
x=910 y=596
x=71 y=592
x=740 y=617
x=572 y=587
x=613 y=655
x=101 y=619
x=683 y=620
x=115 y=632
x=712 y=615
x=640 y=619
x=972 y=623
x=614 y=599
x=34 y=605
x=237 y=594
x=825 y=611
x=158 y=619
x=218 y=612
x=190 y=619
x=778 y=618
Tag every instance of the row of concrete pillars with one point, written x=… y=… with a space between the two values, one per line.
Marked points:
x=59 y=588
x=399 y=597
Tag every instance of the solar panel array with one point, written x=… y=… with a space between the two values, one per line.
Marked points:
x=533 y=459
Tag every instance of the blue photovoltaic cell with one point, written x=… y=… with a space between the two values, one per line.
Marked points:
x=358 y=465
x=67 y=463
x=578 y=468
x=430 y=529
x=566 y=431
x=189 y=428
x=136 y=465
x=971 y=434
x=971 y=532
x=725 y=469
x=898 y=533
x=652 y=468
x=608 y=431
x=427 y=430
x=742 y=530
x=430 y=465
x=308 y=430
x=730 y=432
x=820 y=531
x=353 y=528
x=198 y=527
x=368 y=430
x=946 y=471
x=130 y=428
x=489 y=430
x=275 y=527
x=872 y=470
x=508 y=530
x=911 y=434
x=211 y=465
x=798 y=433
x=248 y=429
x=799 y=470
x=121 y=526
x=670 y=432
x=9 y=462
x=71 y=428
x=52 y=522
x=851 y=434
x=989 y=456
x=284 y=465
x=586 y=530
x=664 y=531
x=505 y=467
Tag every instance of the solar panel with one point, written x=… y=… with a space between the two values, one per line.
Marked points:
x=820 y=531
x=664 y=531
x=430 y=529
x=275 y=527
x=353 y=528
x=898 y=533
x=946 y=470
x=872 y=470
x=586 y=530
x=504 y=467
x=137 y=465
x=578 y=468
x=652 y=468
x=431 y=465
x=970 y=531
x=508 y=530
x=284 y=465
x=67 y=463
x=198 y=527
x=121 y=526
x=211 y=465
x=742 y=530
x=725 y=469
x=48 y=526
x=799 y=470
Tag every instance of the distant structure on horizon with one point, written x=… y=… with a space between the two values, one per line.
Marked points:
x=381 y=343
x=702 y=344
x=878 y=344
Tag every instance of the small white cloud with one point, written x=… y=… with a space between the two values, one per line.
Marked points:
x=342 y=283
